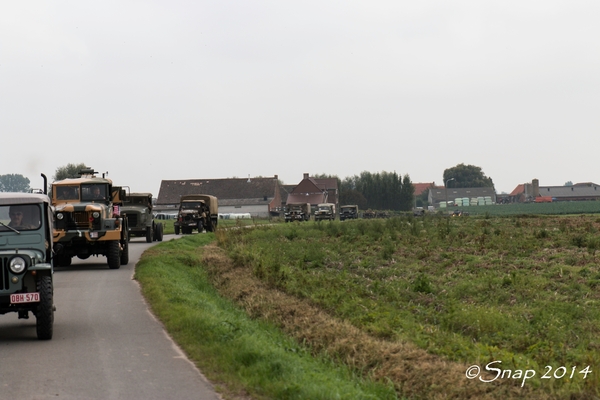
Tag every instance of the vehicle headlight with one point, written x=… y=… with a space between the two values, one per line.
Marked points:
x=95 y=214
x=60 y=216
x=17 y=265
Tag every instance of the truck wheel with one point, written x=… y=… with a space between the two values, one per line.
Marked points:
x=125 y=253
x=176 y=229
x=45 y=309
x=112 y=256
x=149 y=234
x=159 y=234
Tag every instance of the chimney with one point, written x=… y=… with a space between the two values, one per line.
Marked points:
x=306 y=175
x=276 y=177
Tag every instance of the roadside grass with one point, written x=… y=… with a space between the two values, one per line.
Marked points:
x=520 y=290
x=243 y=357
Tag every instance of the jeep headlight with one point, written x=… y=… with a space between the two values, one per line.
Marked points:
x=95 y=214
x=60 y=216
x=17 y=265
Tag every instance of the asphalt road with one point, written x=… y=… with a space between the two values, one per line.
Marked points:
x=106 y=343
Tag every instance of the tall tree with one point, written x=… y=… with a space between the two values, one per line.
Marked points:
x=14 y=183
x=465 y=176
x=68 y=171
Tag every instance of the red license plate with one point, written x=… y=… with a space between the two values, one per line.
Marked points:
x=24 y=298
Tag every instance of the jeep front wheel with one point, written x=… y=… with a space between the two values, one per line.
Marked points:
x=113 y=256
x=45 y=309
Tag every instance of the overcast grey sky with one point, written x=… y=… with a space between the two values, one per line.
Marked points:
x=153 y=90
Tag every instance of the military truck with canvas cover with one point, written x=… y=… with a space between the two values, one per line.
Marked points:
x=297 y=212
x=88 y=220
x=26 y=264
x=137 y=207
x=325 y=212
x=348 y=212
x=197 y=211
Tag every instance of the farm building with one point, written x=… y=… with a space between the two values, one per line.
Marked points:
x=315 y=191
x=260 y=197
x=532 y=192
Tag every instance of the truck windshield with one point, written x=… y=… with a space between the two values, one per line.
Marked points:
x=70 y=192
x=20 y=217
x=191 y=205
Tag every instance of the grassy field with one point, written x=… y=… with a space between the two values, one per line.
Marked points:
x=443 y=293
x=245 y=358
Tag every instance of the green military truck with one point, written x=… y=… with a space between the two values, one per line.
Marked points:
x=137 y=207
x=348 y=212
x=325 y=212
x=88 y=220
x=297 y=212
x=197 y=211
x=26 y=264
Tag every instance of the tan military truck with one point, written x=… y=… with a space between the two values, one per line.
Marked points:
x=197 y=211
x=348 y=212
x=137 y=207
x=325 y=212
x=87 y=220
x=297 y=212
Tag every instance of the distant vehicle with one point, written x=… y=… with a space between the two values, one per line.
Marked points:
x=460 y=213
x=87 y=220
x=26 y=264
x=348 y=212
x=297 y=212
x=197 y=211
x=325 y=212
x=140 y=219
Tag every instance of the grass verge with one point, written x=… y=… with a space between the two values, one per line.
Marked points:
x=243 y=357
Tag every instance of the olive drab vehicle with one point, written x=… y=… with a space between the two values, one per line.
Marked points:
x=197 y=211
x=348 y=212
x=137 y=207
x=297 y=212
x=87 y=220
x=325 y=212
x=26 y=264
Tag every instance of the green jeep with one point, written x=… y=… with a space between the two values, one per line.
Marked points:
x=88 y=220
x=26 y=269
x=140 y=219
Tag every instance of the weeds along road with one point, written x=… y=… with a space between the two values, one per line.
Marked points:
x=106 y=343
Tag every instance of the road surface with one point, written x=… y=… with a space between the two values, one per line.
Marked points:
x=106 y=343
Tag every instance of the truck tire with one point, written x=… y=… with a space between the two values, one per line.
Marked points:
x=149 y=234
x=159 y=232
x=177 y=229
x=125 y=253
x=112 y=255
x=45 y=309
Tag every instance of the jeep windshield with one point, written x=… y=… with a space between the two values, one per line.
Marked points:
x=20 y=217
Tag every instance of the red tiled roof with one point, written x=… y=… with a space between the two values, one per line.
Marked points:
x=421 y=187
x=518 y=190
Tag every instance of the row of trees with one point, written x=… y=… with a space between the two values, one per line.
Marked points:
x=20 y=183
x=378 y=191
